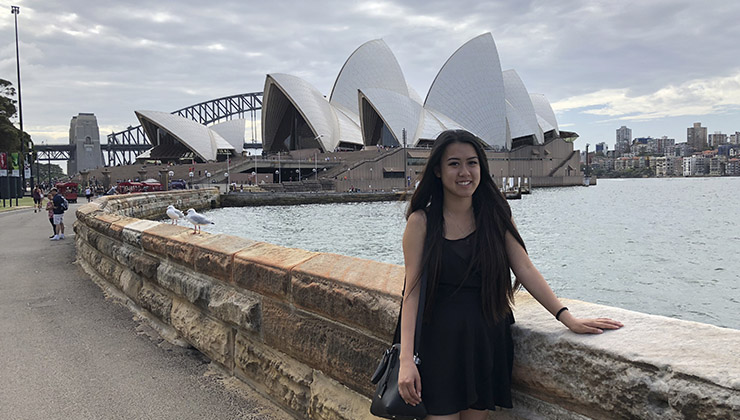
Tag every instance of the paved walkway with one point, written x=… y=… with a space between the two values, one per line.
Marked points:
x=66 y=352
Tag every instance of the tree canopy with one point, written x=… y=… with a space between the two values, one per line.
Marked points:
x=10 y=135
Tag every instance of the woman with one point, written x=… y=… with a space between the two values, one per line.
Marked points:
x=38 y=197
x=460 y=230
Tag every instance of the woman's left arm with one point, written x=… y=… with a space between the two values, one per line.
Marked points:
x=535 y=283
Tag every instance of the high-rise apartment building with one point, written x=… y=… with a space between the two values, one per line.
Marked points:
x=624 y=138
x=696 y=137
x=717 y=139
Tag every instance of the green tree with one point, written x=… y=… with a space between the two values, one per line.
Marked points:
x=10 y=136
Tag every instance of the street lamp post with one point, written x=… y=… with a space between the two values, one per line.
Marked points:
x=170 y=174
x=190 y=174
x=15 y=10
x=279 y=171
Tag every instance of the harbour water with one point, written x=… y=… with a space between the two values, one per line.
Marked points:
x=661 y=246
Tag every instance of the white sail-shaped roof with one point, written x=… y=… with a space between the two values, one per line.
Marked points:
x=232 y=131
x=518 y=127
x=470 y=90
x=397 y=111
x=372 y=65
x=349 y=127
x=518 y=97
x=311 y=104
x=543 y=110
x=195 y=136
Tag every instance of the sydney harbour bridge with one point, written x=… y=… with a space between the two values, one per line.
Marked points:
x=123 y=146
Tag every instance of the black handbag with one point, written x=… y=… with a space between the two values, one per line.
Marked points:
x=387 y=402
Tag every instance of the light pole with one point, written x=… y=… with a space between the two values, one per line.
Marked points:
x=15 y=10
x=299 y=172
x=228 y=177
x=279 y=172
x=170 y=174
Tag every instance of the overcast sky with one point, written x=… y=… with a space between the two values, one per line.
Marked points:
x=656 y=66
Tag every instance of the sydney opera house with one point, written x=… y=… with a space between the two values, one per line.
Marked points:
x=371 y=105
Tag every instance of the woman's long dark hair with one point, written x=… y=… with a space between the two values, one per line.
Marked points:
x=492 y=221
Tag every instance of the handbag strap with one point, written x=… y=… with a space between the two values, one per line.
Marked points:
x=419 y=313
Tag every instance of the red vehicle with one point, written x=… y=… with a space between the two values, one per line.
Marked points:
x=137 y=187
x=68 y=190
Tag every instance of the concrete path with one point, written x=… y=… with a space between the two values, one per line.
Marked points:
x=67 y=352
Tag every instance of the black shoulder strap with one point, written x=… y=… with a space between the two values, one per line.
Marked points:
x=419 y=312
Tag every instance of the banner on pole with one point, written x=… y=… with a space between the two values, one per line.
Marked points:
x=3 y=164
x=26 y=170
x=14 y=164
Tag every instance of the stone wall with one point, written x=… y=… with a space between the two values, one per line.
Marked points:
x=306 y=329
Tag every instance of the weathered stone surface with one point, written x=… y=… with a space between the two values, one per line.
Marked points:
x=130 y=283
x=136 y=260
x=366 y=274
x=360 y=292
x=216 y=256
x=345 y=354
x=279 y=376
x=102 y=243
x=116 y=228
x=194 y=287
x=212 y=337
x=156 y=302
x=654 y=367
x=331 y=400
x=264 y=267
x=172 y=241
x=132 y=232
x=87 y=211
x=109 y=269
x=238 y=307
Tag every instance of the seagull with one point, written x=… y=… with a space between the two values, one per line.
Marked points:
x=197 y=220
x=174 y=214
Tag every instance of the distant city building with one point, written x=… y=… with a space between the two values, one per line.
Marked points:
x=602 y=148
x=717 y=139
x=694 y=165
x=624 y=138
x=85 y=136
x=735 y=138
x=662 y=146
x=669 y=166
x=696 y=136
x=682 y=150
x=733 y=167
x=727 y=150
x=717 y=165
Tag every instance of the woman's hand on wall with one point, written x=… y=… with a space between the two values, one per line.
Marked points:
x=589 y=325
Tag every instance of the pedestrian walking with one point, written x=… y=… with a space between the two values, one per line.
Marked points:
x=50 y=212
x=88 y=193
x=38 y=198
x=60 y=206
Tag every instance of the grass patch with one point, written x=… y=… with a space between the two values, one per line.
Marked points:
x=25 y=201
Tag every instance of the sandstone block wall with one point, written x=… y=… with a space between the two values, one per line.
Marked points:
x=306 y=329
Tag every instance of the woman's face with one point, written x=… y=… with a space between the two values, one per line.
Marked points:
x=459 y=170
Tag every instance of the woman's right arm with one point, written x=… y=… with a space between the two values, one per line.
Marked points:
x=409 y=381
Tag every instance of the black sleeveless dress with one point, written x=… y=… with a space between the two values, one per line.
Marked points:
x=465 y=362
